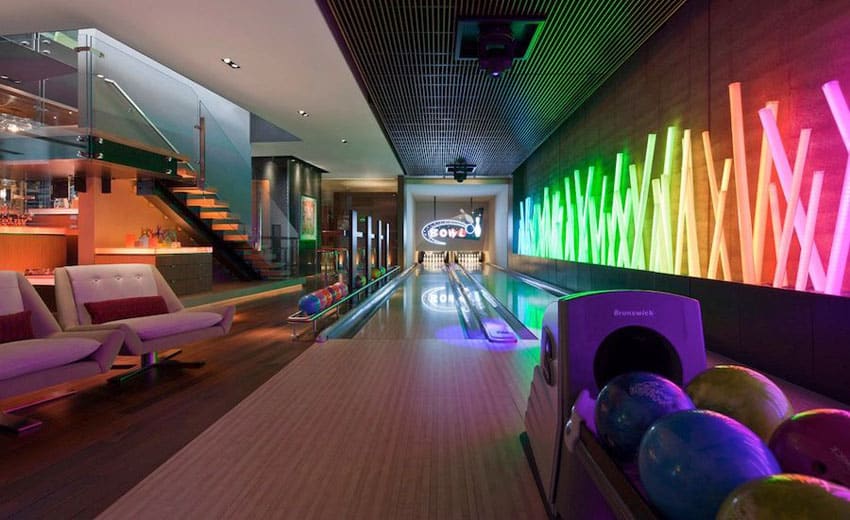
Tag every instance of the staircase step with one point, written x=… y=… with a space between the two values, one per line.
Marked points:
x=214 y=214
x=195 y=191
x=225 y=226
x=236 y=238
x=207 y=203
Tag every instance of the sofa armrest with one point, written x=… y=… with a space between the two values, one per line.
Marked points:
x=227 y=312
x=110 y=340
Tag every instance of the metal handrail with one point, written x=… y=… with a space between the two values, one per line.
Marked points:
x=141 y=112
x=302 y=317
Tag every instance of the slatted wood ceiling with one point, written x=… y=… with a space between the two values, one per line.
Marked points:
x=435 y=108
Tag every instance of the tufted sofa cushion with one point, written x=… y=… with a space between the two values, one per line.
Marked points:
x=161 y=325
x=94 y=283
x=24 y=357
x=10 y=294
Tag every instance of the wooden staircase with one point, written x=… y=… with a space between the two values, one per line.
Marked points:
x=215 y=213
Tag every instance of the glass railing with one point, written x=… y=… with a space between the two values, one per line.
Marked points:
x=77 y=95
x=39 y=90
x=135 y=102
x=225 y=167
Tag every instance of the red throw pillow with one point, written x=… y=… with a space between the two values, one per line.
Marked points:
x=123 y=308
x=16 y=327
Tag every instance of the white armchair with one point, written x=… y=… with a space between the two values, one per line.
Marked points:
x=136 y=299
x=44 y=355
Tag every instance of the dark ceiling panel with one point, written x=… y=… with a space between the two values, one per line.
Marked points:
x=435 y=108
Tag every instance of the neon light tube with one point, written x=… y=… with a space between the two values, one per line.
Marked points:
x=809 y=235
x=841 y=238
x=760 y=217
x=718 y=222
x=776 y=222
x=742 y=190
x=694 y=264
x=665 y=255
x=791 y=208
x=712 y=184
x=623 y=257
x=640 y=209
x=545 y=224
x=680 y=213
x=637 y=261
x=783 y=171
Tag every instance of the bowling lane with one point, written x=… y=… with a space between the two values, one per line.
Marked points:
x=528 y=303
x=421 y=308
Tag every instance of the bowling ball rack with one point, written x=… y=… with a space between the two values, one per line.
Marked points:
x=624 y=500
x=299 y=319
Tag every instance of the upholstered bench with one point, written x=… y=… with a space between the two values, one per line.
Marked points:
x=136 y=299
x=35 y=353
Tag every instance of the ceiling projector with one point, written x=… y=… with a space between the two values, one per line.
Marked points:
x=460 y=169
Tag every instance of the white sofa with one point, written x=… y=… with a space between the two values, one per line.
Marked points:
x=144 y=336
x=51 y=357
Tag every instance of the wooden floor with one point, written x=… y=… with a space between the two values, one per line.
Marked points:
x=361 y=429
x=96 y=445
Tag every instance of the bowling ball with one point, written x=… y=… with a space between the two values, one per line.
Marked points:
x=336 y=293
x=325 y=297
x=690 y=461
x=629 y=404
x=310 y=304
x=359 y=281
x=742 y=394
x=343 y=289
x=383 y=270
x=786 y=497
x=816 y=443
x=376 y=273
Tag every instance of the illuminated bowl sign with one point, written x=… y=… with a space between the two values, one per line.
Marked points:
x=438 y=231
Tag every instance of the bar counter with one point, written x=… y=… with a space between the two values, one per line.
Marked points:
x=187 y=269
x=28 y=247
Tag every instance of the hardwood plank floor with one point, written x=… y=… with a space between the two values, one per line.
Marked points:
x=361 y=429
x=99 y=443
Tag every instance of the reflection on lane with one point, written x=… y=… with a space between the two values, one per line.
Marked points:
x=421 y=308
x=528 y=303
x=439 y=299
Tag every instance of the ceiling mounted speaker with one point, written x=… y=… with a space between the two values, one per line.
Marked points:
x=496 y=42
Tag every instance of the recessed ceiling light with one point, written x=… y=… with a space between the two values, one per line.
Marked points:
x=304 y=113
x=3 y=76
x=343 y=140
x=230 y=63
x=45 y=51
x=101 y=76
